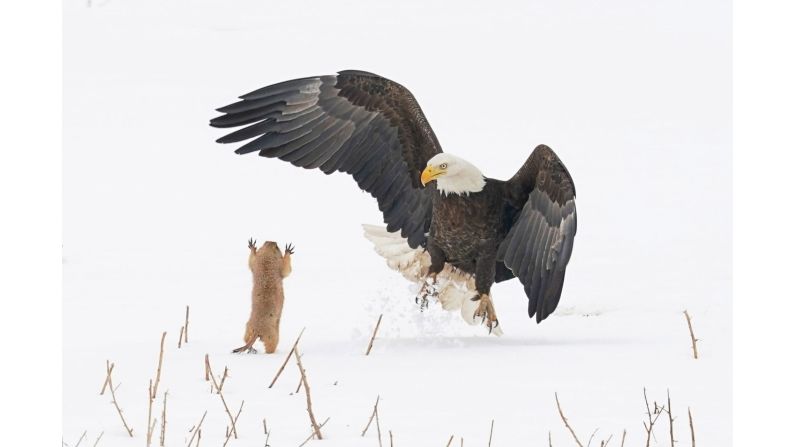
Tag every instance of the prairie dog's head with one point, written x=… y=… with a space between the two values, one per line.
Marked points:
x=270 y=249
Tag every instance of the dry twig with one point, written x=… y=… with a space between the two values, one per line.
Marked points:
x=109 y=369
x=223 y=379
x=163 y=421
x=670 y=418
x=234 y=422
x=312 y=435
x=98 y=438
x=159 y=366
x=315 y=426
x=372 y=415
x=591 y=438
x=692 y=432
x=450 y=441
x=566 y=422
x=109 y=381
x=206 y=367
x=197 y=430
x=220 y=394
x=181 y=335
x=279 y=372
x=650 y=428
x=149 y=424
x=187 y=317
x=693 y=338
x=81 y=438
x=375 y=331
x=491 y=431
x=623 y=437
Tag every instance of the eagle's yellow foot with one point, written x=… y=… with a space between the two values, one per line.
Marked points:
x=430 y=288
x=486 y=311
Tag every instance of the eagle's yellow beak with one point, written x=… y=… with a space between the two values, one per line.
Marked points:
x=430 y=173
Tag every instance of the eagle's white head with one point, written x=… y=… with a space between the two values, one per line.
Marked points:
x=453 y=175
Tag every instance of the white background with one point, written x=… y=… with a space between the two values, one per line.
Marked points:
x=580 y=175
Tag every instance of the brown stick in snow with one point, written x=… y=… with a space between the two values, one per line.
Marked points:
x=375 y=331
x=315 y=426
x=692 y=432
x=109 y=381
x=163 y=421
x=109 y=369
x=98 y=438
x=181 y=335
x=197 y=430
x=312 y=435
x=220 y=394
x=623 y=437
x=81 y=438
x=223 y=379
x=149 y=424
x=234 y=422
x=372 y=415
x=392 y=445
x=550 y=438
x=206 y=367
x=187 y=317
x=670 y=418
x=693 y=338
x=450 y=441
x=591 y=438
x=650 y=428
x=300 y=383
x=279 y=372
x=378 y=426
x=491 y=431
x=159 y=366
x=566 y=422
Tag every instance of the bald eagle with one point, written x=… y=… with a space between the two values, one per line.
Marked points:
x=448 y=227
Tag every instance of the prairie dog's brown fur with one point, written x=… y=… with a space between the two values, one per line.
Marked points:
x=268 y=267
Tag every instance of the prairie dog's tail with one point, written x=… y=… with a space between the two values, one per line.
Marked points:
x=456 y=288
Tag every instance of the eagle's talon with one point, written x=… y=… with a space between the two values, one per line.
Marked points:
x=485 y=311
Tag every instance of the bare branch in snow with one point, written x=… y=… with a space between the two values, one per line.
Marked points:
x=315 y=426
x=281 y=368
x=693 y=338
x=109 y=382
x=566 y=422
x=372 y=338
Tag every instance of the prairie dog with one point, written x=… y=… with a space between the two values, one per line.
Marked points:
x=268 y=268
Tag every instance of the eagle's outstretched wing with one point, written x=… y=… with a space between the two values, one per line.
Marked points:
x=538 y=246
x=354 y=122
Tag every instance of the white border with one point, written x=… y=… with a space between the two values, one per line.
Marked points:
x=764 y=129
x=30 y=229
x=30 y=226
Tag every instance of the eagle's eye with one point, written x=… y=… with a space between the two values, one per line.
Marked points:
x=443 y=165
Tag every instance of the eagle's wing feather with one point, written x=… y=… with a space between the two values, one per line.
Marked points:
x=354 y=122
x=539 y=244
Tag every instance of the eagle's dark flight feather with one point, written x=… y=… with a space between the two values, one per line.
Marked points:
x=355 y=122
x=538 y=246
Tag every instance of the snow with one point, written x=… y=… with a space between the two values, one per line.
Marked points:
x=635 y=98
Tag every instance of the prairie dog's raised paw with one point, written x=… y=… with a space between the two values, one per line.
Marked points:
x=252 y=243
x=289 y=249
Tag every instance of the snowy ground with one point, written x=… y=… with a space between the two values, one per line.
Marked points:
x=635 y=99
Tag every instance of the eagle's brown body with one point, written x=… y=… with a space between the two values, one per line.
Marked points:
x=268 y=268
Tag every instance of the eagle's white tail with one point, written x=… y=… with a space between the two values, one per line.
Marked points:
x=456 y=288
